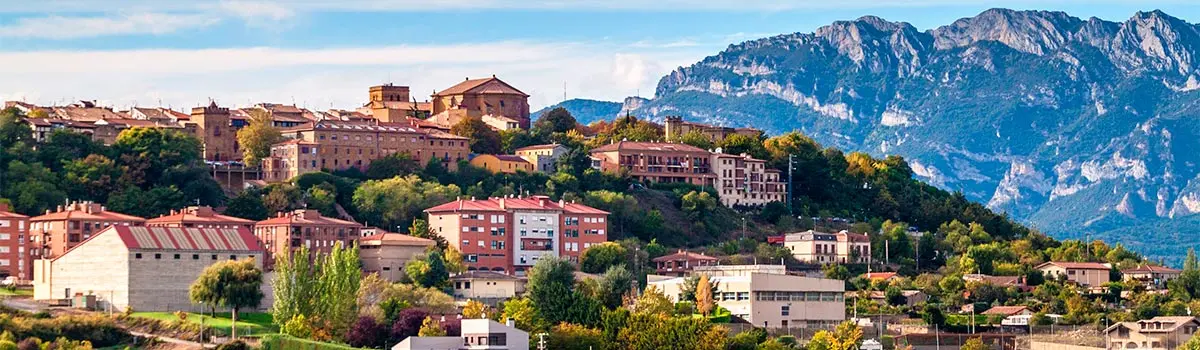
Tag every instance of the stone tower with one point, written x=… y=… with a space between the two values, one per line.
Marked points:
x=389 y=103
x=215 y=132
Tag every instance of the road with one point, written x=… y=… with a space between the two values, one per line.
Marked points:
x=175 y=341
x=24 y=304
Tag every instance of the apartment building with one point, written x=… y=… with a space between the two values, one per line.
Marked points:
x=502 y=163
x=54 y=233
x=543 y=157
x=386 y=253
x=289 y=231
x=675 y=127
x=657 y=162
x=199 y=217
x=773 y=300
x=1087 y=274
x=510 y=234
x=477 y=98
x=821 y=248
x=745 y=181
x=338 y=144
x=144 y=268
x=14 y=259
x=1159 y=333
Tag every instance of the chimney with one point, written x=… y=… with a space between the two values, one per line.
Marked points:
x=3 y=206
x=60 y=208
x=509 y=322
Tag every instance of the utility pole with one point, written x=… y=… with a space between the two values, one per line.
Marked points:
x=789 y=185
x=541 y=341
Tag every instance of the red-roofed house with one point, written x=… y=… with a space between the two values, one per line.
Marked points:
x=199 y=217
x=510 y=234
x=1154 y=277
x=1007 y=311
x=288 y=231
x=884 y=276
x=502 y=163
x=822 y=248
x=386 y=253
x=52 y=234
x=682 y=262
x=1083 y=273
x=145 y=268
x=657 y=161
x=14 y=260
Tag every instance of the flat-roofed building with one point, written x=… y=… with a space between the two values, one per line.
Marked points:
x=14 y=258
x=57 y=231
x=386 y=253
x=819 y=247
x=486 y=286
x=199 y=217
x=144 y=268
x=772 y=300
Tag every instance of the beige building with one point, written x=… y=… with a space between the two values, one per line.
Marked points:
x=502 y=163
x=1159 y=333
x=1087 y=274
x=486 y=285
x=339 y=145
x=386 y=253
x=773 y=300
x=477 y=98
x=674 y=127
x=543 y=157
x=745 y=181
x=1153 y=277
x=820 y=247
x=145 y=268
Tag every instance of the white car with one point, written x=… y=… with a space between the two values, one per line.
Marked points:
x=9 y=281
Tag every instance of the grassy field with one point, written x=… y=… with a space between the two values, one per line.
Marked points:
x=20 y=292
x=249 y=323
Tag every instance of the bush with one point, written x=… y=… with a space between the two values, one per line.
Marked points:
x=101 y=331
x=234 y=345
x=284 y=342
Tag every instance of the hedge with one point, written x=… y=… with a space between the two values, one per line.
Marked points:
x=284 y=342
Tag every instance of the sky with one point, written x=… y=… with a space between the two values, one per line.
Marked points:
x=324 y=54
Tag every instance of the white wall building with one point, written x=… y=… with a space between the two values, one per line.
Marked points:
x=477 y=334
x=535 y=236
x=773 y=300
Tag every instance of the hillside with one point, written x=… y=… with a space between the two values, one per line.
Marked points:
x=1074 y=126
x=589 y=111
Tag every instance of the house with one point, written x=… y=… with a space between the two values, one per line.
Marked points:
x=57 y=231
x=822 y=248
x=543 y=157
x=477 y=334
x=1159 y=333
x=1087 y=274
x=912 y=298
x=682 y=262
x=486 y=285
x=14 y=258
x=144 y=268
x=1007 y=311
x=288 y=231
x=1153 y=277
x=880 y=276
x=386 y=253
x=502 y=163
x=199 y=217
x=772 y=300
x=510 y=234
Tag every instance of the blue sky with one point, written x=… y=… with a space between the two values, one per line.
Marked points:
x=324 y=53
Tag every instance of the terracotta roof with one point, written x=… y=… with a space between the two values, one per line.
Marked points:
x=1171 y=322
x=504 y=204
x=5 y=213
x=648 y=146
x=78 y=211
x=852 y=237
x=388 y=238
x=1150 y=269
x=537 y=147
x=295 y=142
x=684 y=255
x=445 y=135
x=305 y=217
x=471 y=84
x=86 y=113
x=996 y=280
x=487 y=275
x=1075 y=265
x=1005 y=310
x=199 y=215
x=879 y=275
x=507 y=158
x=178 y=238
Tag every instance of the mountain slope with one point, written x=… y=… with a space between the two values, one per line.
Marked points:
x=588 y=111
x=1078 y=127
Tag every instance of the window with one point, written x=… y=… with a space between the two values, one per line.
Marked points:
x=785 y=310
x=176 y=256
x=195 y=256
x=233 y=257
x=137 y=256
x=157 y=256
x=214 y=257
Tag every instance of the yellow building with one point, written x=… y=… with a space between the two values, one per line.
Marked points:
x=502 y=163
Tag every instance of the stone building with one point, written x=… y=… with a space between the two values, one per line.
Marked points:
x=288 y=231
x=57 y=231
x=144 y=268
x=386 y=253
x=337 y=145
x=676 y=127
x=199 y=217
x=14 y=257
x=216 y=132
x=475 y=98
x=509 y=235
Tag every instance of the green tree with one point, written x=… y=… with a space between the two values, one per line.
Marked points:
x=255 y=139
x=392 y=165
x=695 y=138
x=32 y=188
x=653 y=302
x=484 y=140
x=550 y=288
x=699 y=205
x=975 y=343
x=148 y=204
x=322 y=198
x=556 y=120
x=92 y=177
x=232 y=284
x=739 y=143
x=613 y=285
x=431 y=328
x=295 y=286
x=523 y=313
x=599 y=258
x=396 y=202
x=932 y=315
x=568 y=336
x=248 y=204
x=340 y=278
x=428 y=271
x=160 y=148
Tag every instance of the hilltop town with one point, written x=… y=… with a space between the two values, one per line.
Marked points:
x=462 y=219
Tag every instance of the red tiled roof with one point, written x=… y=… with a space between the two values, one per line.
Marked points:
x=879 y=275
x=1150 y=269
x=4 y=213
x=1005 y=310
x=684 y=255
x=536 y=147
x=471 y=84
x=503 y=204
x=509 y=158
x=388 y=238
x=179 y=238
x=648 y=146
x=1075 y=265
x=297 y=217
x=81 y=214
x=198 y=215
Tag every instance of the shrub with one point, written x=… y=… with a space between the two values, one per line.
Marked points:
x=284 y=342
x=297 y=327
x=181 y=315
x=234 y=345
x=100 y=330
x=366 y=332
x=8 y=345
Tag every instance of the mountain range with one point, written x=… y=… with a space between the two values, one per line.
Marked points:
x=1079 y=127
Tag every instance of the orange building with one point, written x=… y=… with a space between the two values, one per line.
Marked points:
x=511 y=234
x=199 y=217
x=477 y=98
x=14 y=260
x=216 y=132
x=289 y=231
x=502 y=163
x=54 y=233
x=657 y=162
x=336 y=145
x=392 y=104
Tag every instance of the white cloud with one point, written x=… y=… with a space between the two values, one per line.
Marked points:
x=64 y=27
x=337 y=77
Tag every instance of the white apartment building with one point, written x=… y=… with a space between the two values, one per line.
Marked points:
x=772 y=300
x=535 y=236
x=477 y=334
x=820 y=247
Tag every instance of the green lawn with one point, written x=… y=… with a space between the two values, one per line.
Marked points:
x=249 y=323
x=20 y=292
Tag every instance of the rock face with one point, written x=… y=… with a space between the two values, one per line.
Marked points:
x=1076 y=126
